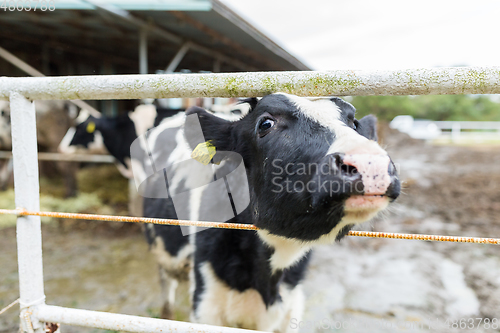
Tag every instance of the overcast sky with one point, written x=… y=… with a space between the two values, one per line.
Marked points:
x=381 y=34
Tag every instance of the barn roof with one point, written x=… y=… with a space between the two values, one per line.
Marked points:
x=90 y=37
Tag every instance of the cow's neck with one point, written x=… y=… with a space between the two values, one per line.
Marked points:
x=268 y=279
x=251 y=270
x=286 y=252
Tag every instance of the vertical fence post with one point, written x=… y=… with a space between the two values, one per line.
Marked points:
x=455 y=132
x=26 y=186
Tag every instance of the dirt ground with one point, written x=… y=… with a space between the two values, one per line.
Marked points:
x=357 y=285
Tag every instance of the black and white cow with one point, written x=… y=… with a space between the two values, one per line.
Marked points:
x=92 y=134
x=313 y=171
x=98 y=135
x=113 y=135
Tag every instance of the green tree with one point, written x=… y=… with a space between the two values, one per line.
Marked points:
x=434 y=107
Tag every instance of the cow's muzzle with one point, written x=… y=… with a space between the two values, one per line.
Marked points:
x=356 y=175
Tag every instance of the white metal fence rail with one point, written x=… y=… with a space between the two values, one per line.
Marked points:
x=455 y=80
x=34 y=311
x=59 y=157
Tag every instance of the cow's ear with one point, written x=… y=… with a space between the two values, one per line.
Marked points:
x=344 y=106
x=215 y=129
x=367 y=127
x=250 y=101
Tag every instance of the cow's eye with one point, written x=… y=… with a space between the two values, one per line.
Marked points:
x=265 y=125
x=355 y=124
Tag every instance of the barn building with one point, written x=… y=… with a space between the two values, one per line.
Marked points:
x=86 y=37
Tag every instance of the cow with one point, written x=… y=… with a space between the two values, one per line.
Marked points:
x=313 y=172
x=53 y=118
x=116 y=135
x=113 y=135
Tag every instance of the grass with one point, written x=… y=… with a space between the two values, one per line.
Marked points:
x=106 y=182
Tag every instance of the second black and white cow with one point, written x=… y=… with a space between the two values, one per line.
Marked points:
x=113 y=135
x=313 y=172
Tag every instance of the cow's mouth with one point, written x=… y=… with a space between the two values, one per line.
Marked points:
x=360 y=208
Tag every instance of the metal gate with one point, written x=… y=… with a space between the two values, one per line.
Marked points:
x=21 y=92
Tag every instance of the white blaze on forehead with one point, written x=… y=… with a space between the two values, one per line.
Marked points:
x=320 y=110
x=326 y=113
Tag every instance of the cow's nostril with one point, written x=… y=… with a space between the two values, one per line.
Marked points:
x=348 y=169
x=336 y=161
x=337 y=165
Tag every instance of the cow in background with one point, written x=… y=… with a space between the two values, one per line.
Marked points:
x=53 y=119
x=103 y=135
x=86 y=136
x=114 y=135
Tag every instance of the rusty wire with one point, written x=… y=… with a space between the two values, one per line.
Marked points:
x=131 y=219
x=9 y=306
x=435 y=238
x=241 y=226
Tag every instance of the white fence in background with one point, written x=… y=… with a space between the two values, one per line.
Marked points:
x=454 y=131
x=474 y=130
x=21 y=92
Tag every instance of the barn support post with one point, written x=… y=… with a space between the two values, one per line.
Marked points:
x=217 y=64
x=45 y=58
x=29 y=233
x=161 y=32
x=143 y=56
x=143 y=51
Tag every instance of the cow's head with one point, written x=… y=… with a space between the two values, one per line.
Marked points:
x=313 y=169
x=102 y=135
x=83 y=137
